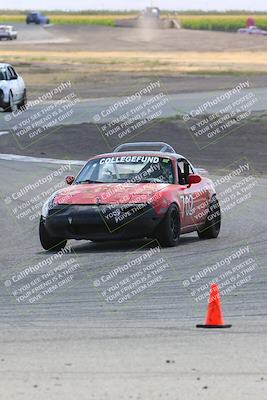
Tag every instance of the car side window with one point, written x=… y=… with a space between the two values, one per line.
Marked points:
x=7 y=74
x=184 y=170
x=3 y=75
x=12 y=72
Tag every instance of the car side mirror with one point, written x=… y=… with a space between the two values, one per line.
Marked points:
x=193 y=178
x=69 y=179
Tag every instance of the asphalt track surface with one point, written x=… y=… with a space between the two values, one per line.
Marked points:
x=87 y=110
x=34 y=34
x=75 y=344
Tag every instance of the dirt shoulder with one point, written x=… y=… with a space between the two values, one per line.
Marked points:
x=91 y=83
x=101 y=49
x=83 y=141
x=238 y=62
x=94 y=38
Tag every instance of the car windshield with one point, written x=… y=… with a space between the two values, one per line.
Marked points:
x=127 y=169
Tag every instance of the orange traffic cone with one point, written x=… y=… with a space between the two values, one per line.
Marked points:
x=215 y=314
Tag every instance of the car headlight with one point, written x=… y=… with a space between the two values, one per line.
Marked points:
x=48 y=205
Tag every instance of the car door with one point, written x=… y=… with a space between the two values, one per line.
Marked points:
x=194 y=197
x=21 y=86
x=14 y=84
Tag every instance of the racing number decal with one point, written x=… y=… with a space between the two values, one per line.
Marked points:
x=188 y=204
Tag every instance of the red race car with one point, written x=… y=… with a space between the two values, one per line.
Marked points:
x=131 y=194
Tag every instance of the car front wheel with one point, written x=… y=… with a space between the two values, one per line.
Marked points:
x=169 y=230
x=49 y=242
x=10 y=106
x=23 y=102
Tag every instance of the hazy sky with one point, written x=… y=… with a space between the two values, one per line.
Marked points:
x=136 y=4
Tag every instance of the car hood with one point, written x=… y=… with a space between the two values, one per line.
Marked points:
x=101 y=193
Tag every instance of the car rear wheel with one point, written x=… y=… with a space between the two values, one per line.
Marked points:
x=169 y=230
x=49 y=242
x=212 y=225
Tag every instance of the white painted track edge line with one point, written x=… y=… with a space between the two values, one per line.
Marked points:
x=16 y=157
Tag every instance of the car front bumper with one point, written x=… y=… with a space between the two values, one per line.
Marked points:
x=101 y=222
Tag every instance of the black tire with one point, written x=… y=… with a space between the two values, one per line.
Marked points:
x=212 y=225
x=23 y=103
x=9 y=107
x=168 y=232
x=49 y=242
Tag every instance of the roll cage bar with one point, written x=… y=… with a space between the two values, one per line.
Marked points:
x=164 y=147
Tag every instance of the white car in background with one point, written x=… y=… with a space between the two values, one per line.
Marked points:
x=7 y=32
x=252 y=30
x=12 y=89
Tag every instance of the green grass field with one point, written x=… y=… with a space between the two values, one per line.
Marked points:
x=67 y=19
x=216 y=22
x=228 y=23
